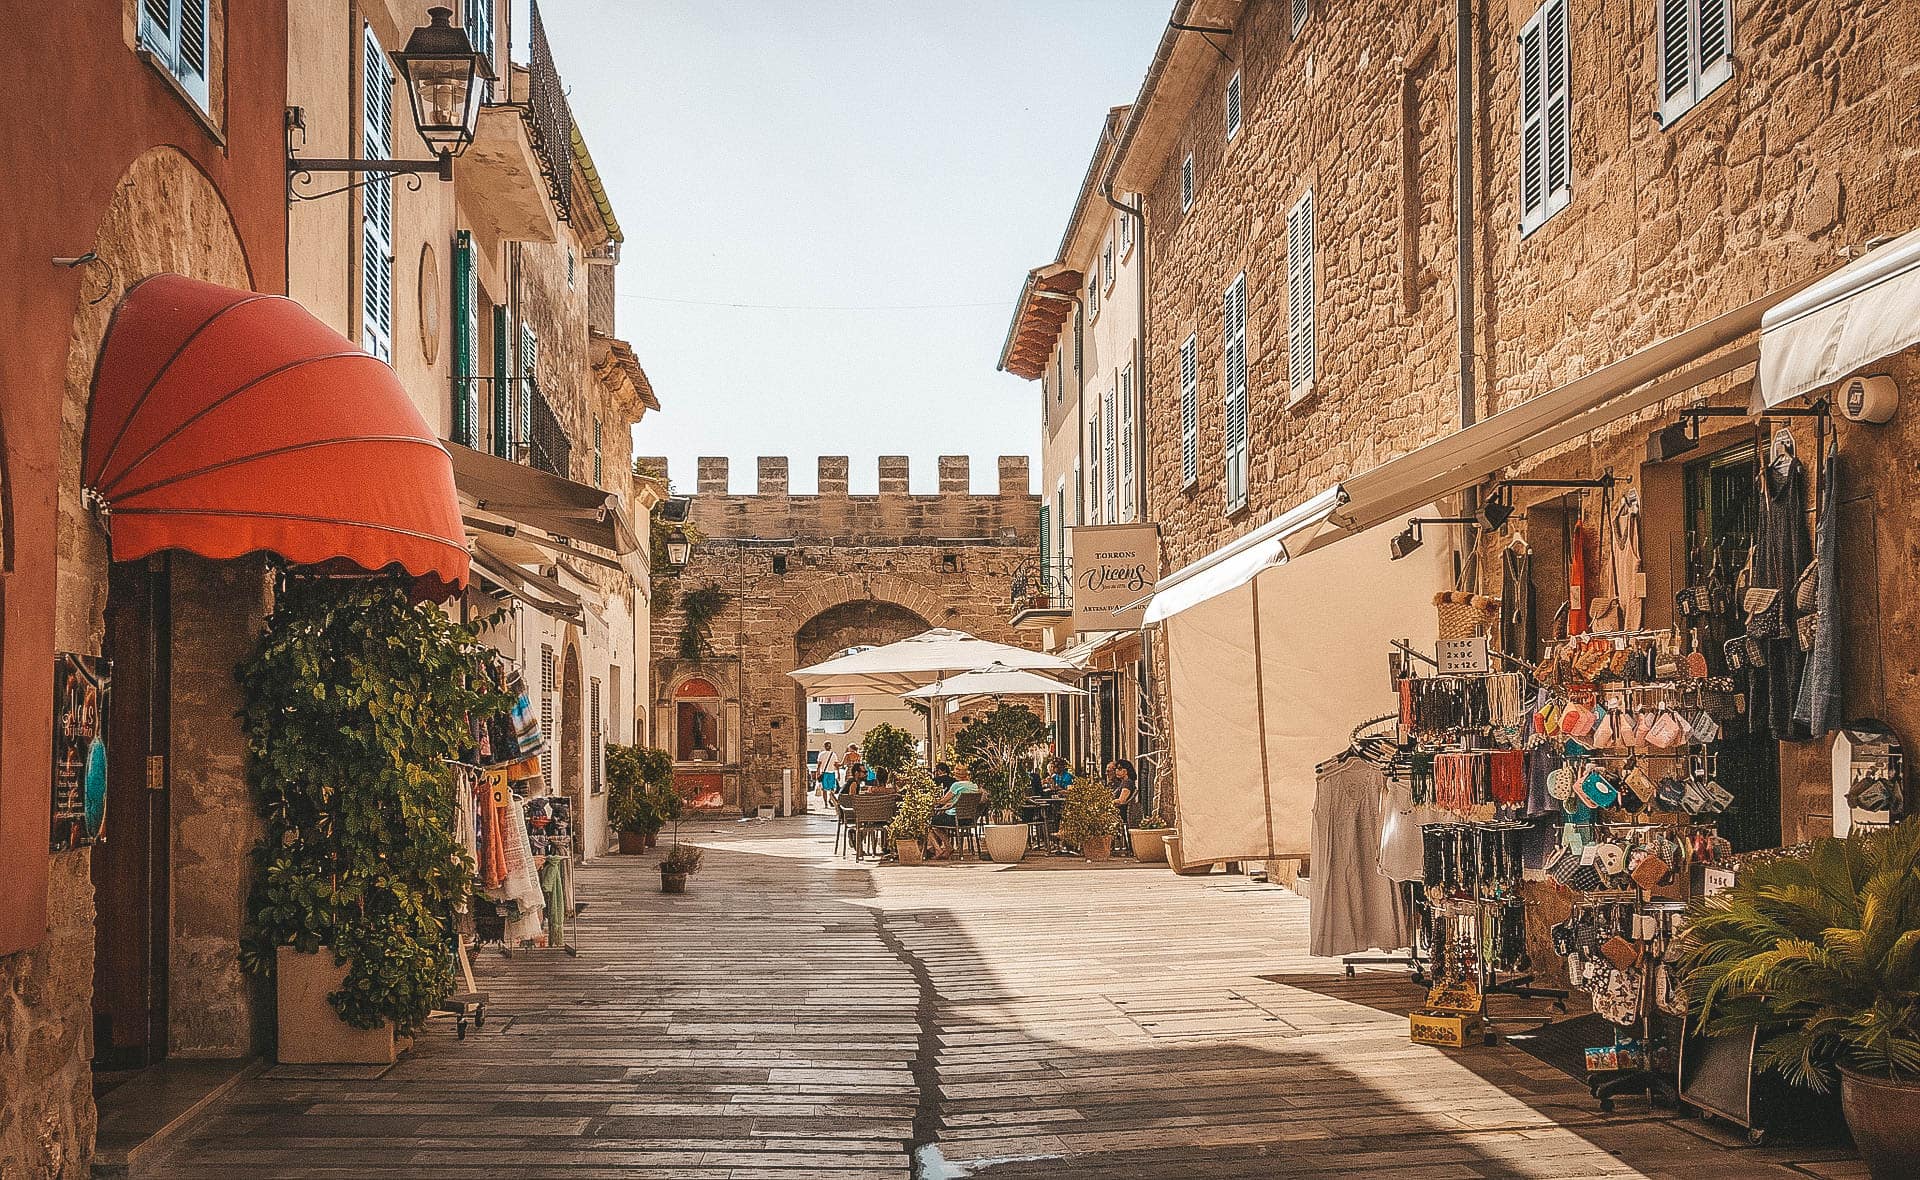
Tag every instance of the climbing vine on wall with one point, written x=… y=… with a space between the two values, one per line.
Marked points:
x=355 y=698
x=700 y=607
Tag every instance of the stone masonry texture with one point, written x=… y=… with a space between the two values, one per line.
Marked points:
x=858 y=569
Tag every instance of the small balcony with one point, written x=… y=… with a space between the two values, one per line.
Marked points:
x=516 y=180
x=1041 y=594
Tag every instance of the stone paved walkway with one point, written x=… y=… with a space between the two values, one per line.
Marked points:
x=797 y=1015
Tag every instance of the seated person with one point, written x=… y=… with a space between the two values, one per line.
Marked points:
x=853 y=779
x=942 y=775
x=946 y=813
x=1126 y=790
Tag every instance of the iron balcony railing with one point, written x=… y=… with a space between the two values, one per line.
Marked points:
x=550 y=118
x=1042 y=585
x=548 y=447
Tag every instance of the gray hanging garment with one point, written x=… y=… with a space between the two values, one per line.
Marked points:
x=1818 y=708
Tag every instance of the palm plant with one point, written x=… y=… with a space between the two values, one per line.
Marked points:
x=1820 y=951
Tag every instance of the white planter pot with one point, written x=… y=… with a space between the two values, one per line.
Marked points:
x=1006 y=843
x=1149 y=845
x=310 y=1031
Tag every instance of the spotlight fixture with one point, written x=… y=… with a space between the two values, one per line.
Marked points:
x=1409 y=538
x=1671 y=442
x=1495 y=513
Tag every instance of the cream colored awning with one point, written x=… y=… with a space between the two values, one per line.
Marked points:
x=1862 y=312
x=536 y=590
x=529 y=496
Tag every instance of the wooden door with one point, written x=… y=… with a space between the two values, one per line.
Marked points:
x=130 y=864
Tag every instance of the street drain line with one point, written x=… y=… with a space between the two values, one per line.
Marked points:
x=926 y=1056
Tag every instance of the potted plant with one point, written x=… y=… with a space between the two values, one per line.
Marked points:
x=356 y=700
x=1089 y=819
x=681 y=861
x=999 y=744
x=1149 y=840
x=1820 y=954
x=639 y=789
x=888 y=747
x=909 y=827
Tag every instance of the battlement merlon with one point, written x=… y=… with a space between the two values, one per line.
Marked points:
x=772 y=476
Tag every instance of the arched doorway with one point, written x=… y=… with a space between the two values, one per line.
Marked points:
x=841 y=720
x=573 y=741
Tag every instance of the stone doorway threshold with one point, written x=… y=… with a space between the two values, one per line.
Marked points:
x=139 y=1116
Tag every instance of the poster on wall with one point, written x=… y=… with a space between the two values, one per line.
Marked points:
x=1115 y=567
x=80 y=686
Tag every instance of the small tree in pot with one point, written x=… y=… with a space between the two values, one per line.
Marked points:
x=999 y=745
x=1089 y=818
x=1821 y=953
x=888 y=747
x=640 y=784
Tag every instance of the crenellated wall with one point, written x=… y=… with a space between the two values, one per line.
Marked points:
x=857 y=568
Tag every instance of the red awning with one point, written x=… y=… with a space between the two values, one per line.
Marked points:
x=227 y=422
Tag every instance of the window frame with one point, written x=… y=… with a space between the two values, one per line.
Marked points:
x=1540 y=136
x=1187 y=185
x=1190 y=411
x=1302 y=313
x=1107 y=269
x=1234 y=97
x=1702 y=80
x=165 y=47
x=1234 y=395
x=1300 y=11
x=377 y=83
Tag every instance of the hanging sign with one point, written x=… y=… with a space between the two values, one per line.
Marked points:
x=80 y=686
x=1463 y=657
x=1115 y=568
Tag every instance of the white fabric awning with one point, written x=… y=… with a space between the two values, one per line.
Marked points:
x=1234 y=565
x=921 y=659
x=536 y=590
x=994 y=680
x=1862 y=312
x=526 y=495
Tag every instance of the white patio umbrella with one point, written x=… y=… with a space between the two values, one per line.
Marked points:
x=994 y=680
x=921 y=660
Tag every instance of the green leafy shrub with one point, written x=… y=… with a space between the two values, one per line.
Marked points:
x=682 y=858
x=356 y=697
x=640 y=794
x=888 y=747
x=918 y=794
x=1821 y=951
x=1088 y=817
x=1152 y=823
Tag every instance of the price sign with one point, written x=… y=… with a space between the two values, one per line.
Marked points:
x=1463 y=657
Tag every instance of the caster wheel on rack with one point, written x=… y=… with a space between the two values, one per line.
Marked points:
x=460 y=1031
x=1606 y=1106
x=1757 y=1136
x=480 y=1019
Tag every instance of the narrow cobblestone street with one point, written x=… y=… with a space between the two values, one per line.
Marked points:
x=796 y=1015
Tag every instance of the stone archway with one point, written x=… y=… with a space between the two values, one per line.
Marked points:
x=846 y=623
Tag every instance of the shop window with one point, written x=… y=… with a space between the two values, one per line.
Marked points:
x=1546 y=164
x=176 y=35
x=697 y=716
x=1695 y=45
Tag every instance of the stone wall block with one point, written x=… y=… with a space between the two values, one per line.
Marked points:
x=712 y=475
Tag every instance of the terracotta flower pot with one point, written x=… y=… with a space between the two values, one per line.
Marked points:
x=672 y=882
x=653 y=839
x=1884 y=1117
x=911 y=852
x=1149 y=844
x=632 y=843
x=1097 y=849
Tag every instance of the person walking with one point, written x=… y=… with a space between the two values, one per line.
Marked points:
x=829 y=766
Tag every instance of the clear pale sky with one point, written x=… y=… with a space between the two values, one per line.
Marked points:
x=834 y=154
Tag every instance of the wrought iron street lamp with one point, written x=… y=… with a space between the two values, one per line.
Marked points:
x=443 y=72
x=679 y=548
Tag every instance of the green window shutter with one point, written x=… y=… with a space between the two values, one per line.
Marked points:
x=1046 y=539
x=502 y=387
x=466 y=343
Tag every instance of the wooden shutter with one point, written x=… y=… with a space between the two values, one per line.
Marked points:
x=376 y=278
x=479 y=23
x=1126 y=443
x=1079 y=496
x=597 y=729
x=1695 y=46
x=548 y=737
x=1046 y=543
x=598 y=454
x=1079 y=360
x=1676 y=55
x=1189 y=411
x=1300 y=339
x=1109 y=483
x=529 y=376
x=1546 y=151
x=1235 y=316
x=190 y=65
x=1533 y=169
x=502 y=385
x=1716 y=43
x=1558 y=114
x=1300 y=10
x=1233 y=106
x=1186 y=183
x=466 y=342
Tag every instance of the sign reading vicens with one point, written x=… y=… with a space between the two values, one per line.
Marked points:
x=1115 y=566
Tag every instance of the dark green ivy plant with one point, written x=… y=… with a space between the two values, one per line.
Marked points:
x=701 y=607
x=355 y=698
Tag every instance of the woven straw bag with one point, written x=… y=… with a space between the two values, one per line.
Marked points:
x=1463 y=615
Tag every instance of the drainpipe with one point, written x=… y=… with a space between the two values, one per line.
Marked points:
x=1467 y=570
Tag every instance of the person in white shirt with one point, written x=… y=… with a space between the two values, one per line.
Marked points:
x=829 y=766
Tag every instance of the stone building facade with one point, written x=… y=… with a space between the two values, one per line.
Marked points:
x=804 y=577
x=1793 y=157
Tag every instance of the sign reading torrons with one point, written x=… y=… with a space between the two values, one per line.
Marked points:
x=1114 y=566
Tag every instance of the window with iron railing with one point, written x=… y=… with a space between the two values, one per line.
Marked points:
x=1046 y=584
x=548 y=446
